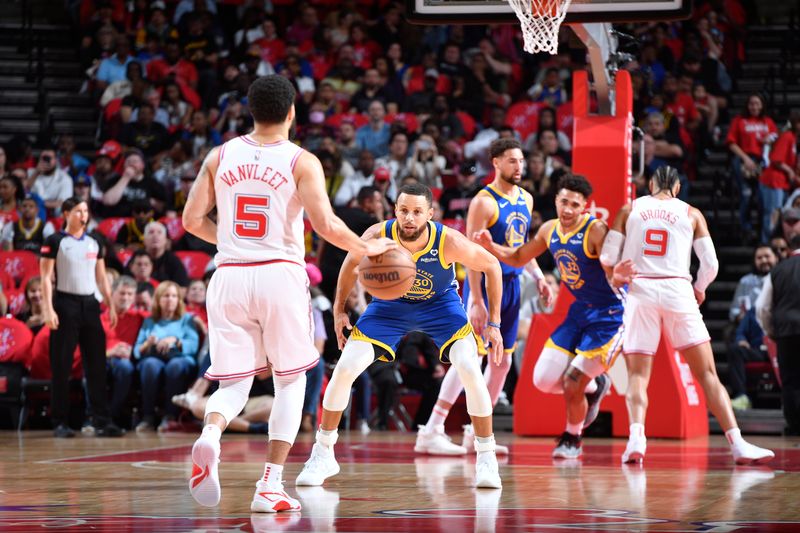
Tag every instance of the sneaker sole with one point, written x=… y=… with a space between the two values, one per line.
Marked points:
x=565 y=456
x=757 y=461
x=440 y=452
x=301 y=482
x=635 y=457
x=594 y=410
x=204 y=485
x=278 y=507
x=488 y=484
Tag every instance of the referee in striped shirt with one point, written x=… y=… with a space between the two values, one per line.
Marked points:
x=73 y=315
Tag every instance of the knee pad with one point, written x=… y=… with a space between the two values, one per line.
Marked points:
x=229 y=399
x=549 y=370
x=287 y=409
x=356 y=357
x=464 y=357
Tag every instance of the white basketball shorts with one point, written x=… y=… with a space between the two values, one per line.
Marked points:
x=257 y=313
x=656 y=305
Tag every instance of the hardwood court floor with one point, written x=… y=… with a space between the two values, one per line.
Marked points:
x=139 y=483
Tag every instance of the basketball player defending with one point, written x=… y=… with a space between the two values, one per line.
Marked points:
x=580 y=351
x=505 y=209
x=258 y=298
x=432 y=306
x=655 y=236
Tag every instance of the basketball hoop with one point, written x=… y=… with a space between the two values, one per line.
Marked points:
x=540 y=20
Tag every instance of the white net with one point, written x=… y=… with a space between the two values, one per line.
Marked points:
x=540 y=20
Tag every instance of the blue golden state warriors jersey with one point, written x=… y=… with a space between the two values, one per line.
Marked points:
x=581 y=271
x=510 y=223
x=434 y=276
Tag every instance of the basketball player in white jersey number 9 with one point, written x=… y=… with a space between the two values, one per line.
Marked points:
x=654 y=237
x=258 y=298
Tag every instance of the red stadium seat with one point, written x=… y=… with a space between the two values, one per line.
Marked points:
x=468 y=123
x=524 y=117
x=7 y=281
x=409 y=120
x=111 y=226
x=195 y=263
x=124 y=255
x=334 y=121
x=16 y=301
x=15 y=341
x=174 y=226
x=19 y=264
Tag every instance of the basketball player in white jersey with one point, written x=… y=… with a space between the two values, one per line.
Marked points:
x=258 y=299
x=655 y=237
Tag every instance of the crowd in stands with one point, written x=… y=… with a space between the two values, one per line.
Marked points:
x=381 y=102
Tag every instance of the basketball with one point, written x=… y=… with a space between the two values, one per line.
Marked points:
x=388 y=276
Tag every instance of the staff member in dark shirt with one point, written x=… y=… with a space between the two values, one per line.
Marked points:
x=73 y=315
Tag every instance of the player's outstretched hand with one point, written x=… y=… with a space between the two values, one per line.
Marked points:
x=623 y=273
x=340 y=322
x=492 y=335
x=484 y=238
x=378 y=246
x=545 y=292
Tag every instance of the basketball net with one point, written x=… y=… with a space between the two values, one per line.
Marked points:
x=540 y=20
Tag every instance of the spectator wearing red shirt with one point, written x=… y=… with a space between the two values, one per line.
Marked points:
x=196 y=301
x=747 y=135
x=140 y=267
x=120 y=341
x=679 y=101
x=11 y=194
x=780 y=175
x=173 y=65
x=273 y=48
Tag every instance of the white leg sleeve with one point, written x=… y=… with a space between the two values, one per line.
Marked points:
x=496 y=376
x=451 y=387
x=287 y=409
x=464 y=357
x=229 y=399
x=356 y=357
x=549 y=370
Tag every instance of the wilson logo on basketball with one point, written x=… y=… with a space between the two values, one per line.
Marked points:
x=382 y=277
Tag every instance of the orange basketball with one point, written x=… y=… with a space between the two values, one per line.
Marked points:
x=388 y=276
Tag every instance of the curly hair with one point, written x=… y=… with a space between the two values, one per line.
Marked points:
x=575 y=183
x=270 y=98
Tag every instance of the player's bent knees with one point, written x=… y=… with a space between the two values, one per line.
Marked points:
x=464 y=357
x=549 y=371
x=356 y=357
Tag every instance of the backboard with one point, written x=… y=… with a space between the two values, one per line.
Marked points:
x=498 y=11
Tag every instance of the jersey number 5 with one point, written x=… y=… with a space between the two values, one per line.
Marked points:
x=655 y=242
x=251 y=220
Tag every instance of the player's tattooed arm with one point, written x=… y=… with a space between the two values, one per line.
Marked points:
x=202 y=200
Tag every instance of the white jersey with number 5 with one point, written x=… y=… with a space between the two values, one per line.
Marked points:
x=259 y=214
x=659 y=237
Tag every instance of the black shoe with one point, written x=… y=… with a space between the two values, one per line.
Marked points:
x=568 y=447
x=109 y=430
x=260 y=428
x=63 y=431
x=594 y=399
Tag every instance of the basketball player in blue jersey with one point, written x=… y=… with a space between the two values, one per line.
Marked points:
x=578 y=354
x=504 y=209
x=432 y=306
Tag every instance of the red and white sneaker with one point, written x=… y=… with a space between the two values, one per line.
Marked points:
x=272 y=499
x=204 y=483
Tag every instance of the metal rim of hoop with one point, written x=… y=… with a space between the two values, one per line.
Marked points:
x=540 y=21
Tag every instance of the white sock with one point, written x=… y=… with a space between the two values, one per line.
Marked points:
x=212 y=431
x=272 y=474
x=734 y=436
x=327 y=437
x=438 y=416
x=486 y=441
x=636 y=431
x=574 y=429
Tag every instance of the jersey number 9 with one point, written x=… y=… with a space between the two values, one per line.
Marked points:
x=655 y=242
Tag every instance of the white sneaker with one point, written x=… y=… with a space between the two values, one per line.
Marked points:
x=272 y=499
x=436 y=442
x=204 y=483
x=319 y=467
x=634 y=451
x=468 y=442
x=364 y=428
x=750 y=454
x=487 y=475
